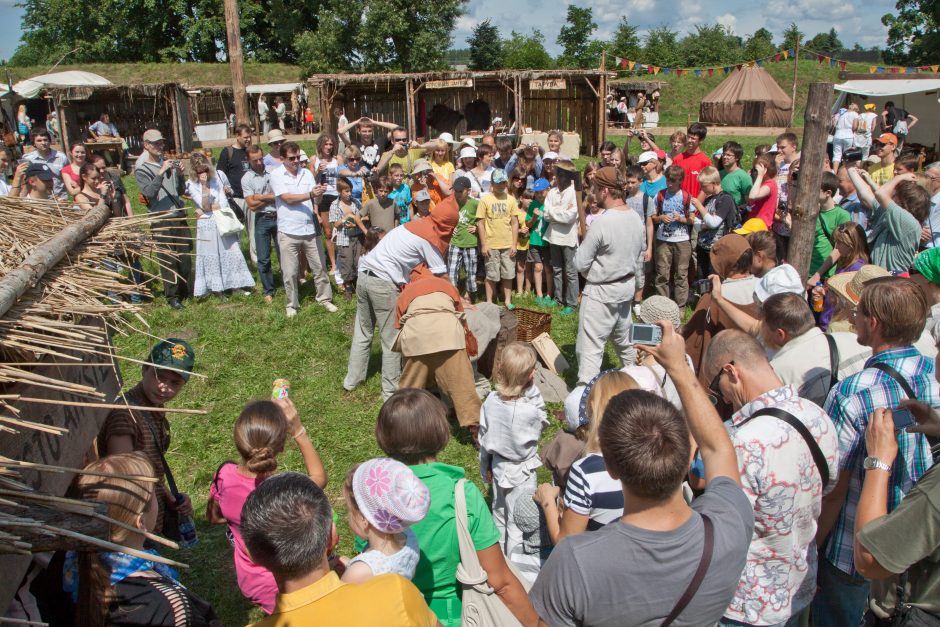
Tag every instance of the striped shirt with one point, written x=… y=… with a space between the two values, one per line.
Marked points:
x=593 y=493
x=849 y=405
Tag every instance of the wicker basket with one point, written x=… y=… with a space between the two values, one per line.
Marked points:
x=532 y=324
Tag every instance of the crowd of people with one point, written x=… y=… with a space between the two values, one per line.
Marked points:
x=763 y=458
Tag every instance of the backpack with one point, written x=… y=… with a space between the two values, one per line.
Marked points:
x=686 y=201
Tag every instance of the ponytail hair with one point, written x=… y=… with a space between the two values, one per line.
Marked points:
x=260 y=433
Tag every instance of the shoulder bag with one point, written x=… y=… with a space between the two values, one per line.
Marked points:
x=481 y=606
x=818 y=458
x=707 y=550
x=225 y=219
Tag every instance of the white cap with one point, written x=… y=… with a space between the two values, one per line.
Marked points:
x=468 y=152
x=550 y=155
x=784 y=279
x=573 y=408
x=469 y=141
x=303 y=156
x=644 y=157
x=773 y=148
x=446 y=137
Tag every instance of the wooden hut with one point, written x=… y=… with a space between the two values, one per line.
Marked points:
x=464 y=103
x=133 y=109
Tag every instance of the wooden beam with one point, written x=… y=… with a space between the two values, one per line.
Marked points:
x=812 y=157
x=588 y=81
x=602 y=112
x=234 y=37
x=796 y=69
x=410 y=108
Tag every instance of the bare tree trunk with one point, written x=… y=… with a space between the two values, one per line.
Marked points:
x=234 y=37
x=48 y=254
x=812 y=159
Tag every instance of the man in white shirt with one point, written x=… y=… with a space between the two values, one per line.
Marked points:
x=788 y=457
x=298 y=230
x=263 y=112
x=930 y=233
x=45 y=153
x=561 y=213
x=804 y=358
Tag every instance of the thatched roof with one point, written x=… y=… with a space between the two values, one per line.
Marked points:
x=317 y=79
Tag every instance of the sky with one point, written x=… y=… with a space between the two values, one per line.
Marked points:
x=856 y=21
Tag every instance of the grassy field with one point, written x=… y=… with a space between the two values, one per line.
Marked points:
x=241 y=346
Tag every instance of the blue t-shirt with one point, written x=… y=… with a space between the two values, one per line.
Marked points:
x=651 y=188
x=402 y=198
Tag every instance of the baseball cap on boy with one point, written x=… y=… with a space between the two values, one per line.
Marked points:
x=540 y=185
x=498 y=176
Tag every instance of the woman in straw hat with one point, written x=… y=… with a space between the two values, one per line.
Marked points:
x=847 y=287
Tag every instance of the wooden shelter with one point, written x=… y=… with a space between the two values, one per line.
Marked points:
x=464 y=103
x=133 y=109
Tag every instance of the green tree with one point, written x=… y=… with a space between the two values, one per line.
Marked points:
x=486 y=47
x=791 y=35
x=710 y=44
x=759 y=45
x=526 y=52
x=625 y=42
x=575 y=38
x=826 y=42
x=914 y=33
x=662 y=47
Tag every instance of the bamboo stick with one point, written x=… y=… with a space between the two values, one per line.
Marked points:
x=6 y=462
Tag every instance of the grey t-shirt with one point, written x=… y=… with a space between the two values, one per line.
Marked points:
x=624 y=576
x=607 y=256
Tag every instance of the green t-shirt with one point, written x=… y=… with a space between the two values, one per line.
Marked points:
x=908 y=540
x=826 y=225
x=467 y=217
x=738 y=184
x=895 y=235
x=538 y=229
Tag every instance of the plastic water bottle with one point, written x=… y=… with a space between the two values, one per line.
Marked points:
x=819 y=299
x=187 y=528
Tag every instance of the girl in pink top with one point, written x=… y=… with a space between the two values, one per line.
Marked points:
x=762 y=201
x=260 y=433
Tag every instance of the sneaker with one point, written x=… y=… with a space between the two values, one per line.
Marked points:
x=338 y=277
x=510 y=306
x=268 y=299
x=330 y=307
x=550 y=302
x=291 y=312
x=567 y=311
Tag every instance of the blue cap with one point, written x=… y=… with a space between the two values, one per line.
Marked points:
x=540 y=185
x=499 y=176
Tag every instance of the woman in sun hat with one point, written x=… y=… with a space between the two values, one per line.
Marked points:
x=847 y=286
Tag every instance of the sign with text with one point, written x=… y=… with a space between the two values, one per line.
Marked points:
x=448 y=84
x=547 y=83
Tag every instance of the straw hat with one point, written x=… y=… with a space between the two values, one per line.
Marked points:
x=849 y=284
x=274 y=136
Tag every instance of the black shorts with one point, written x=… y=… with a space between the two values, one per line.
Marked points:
x=536 y=254
x=325 y=202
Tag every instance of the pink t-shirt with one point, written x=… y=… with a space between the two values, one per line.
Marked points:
x=230 y=489
x=766 y=206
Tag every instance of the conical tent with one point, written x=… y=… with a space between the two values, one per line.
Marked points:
x=748 y=97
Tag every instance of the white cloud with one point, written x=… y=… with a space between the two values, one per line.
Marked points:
x=729 y=21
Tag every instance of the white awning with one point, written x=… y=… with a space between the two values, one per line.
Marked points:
x=274 y=88
x=881 y=87
x=32 y=87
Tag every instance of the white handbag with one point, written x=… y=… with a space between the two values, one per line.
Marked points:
x=225 y=221
x=481 y=606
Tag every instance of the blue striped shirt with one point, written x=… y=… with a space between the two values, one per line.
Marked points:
x=592 y=492
x=850 y=404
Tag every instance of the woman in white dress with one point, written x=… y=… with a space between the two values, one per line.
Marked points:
x=220 y=263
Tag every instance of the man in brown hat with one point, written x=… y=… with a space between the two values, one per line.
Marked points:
x=607 y=258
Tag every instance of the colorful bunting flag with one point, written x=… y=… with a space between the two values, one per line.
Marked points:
x=895 y=70
x=880 y=70
x=631 y=64
x=832 y=62
x=788 y=53
x=711 y=71
x=842 y=64
x=726 y=69
x=698 y=72
x=934 y=68
x=760 y=63
x=908 y=70
x=666 y=71
x=872 y=69
x=777 y=57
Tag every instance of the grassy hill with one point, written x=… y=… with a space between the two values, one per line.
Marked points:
x=682 y=95
x=195 y=74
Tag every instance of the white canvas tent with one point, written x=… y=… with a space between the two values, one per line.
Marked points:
x=919 y=96
x=32 y=87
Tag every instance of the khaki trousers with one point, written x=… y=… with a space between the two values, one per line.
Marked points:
x=452 y=373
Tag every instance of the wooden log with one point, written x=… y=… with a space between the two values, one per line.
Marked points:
x=47 y=255
x=234 y=36
x=812 y=158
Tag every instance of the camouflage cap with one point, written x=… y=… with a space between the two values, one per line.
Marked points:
x=174 y=353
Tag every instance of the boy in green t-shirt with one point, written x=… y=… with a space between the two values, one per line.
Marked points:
x=498 y=217
x=537 y=250
x=463 y=243
x=734 y=179
x=831 y=215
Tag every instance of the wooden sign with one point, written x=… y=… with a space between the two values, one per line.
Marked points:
x=547 y=83
x=448 y=84
x=68 y=449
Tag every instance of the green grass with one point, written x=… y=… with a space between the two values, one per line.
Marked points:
x=243 y=345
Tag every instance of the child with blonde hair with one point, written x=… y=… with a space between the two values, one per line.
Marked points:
x=384 y=498
x=512 y=419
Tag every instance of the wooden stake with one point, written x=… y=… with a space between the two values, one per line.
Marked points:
x=46 y=401
x=796 y=69
x=812 y=157
x=234 y=36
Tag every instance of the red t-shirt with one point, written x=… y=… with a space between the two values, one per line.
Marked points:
x=693 y=166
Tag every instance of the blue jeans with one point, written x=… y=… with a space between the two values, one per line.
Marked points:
x=841 y=599
x=265 y=234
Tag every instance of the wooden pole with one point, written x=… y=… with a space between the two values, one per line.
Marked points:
x=806 y=208
x=410 y=108
x=14 y=284
x=234 y=36
x=796 y=69
x=602 y=104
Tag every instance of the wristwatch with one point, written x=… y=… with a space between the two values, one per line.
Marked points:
x=871 y=463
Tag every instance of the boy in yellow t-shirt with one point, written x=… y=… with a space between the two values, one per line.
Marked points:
x=498 y=216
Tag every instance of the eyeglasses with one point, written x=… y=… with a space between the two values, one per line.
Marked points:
x=714 y=392
x=294 y=158
x=353 y=159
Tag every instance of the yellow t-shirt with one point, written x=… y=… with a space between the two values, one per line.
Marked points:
x=445 y=169
x=407 y=160
x=497 y=214
x=882 y=174
x=387 y=600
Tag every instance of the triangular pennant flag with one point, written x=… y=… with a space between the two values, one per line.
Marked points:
x=880 y=70
x=750 y=64
x=739 y=65
x=699 y=73
x=624 y=63
x=923 y=68
x=726 y=69
x=655 y=70
x=777 y=57
x=666 y=70
x=681 y=72
x=934 y=68
x=631 y=64
x=617 y=61
x=871 y=69
x=832 y=62
x=842 y=64
x=820 y=58
x=791 y=52
x=711 y=71
x=895 y=70
x=649 y=69
x=908 y=70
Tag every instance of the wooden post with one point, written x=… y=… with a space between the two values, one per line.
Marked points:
x=601 y=103
x=806 y=208
x=410 y=108
x=234 y=35
x=796 y=69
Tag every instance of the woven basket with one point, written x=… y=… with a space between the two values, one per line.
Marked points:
x=532 y=324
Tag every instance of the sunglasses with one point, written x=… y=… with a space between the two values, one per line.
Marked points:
x=294 y=158
x=353 y=159
x=714 y=393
